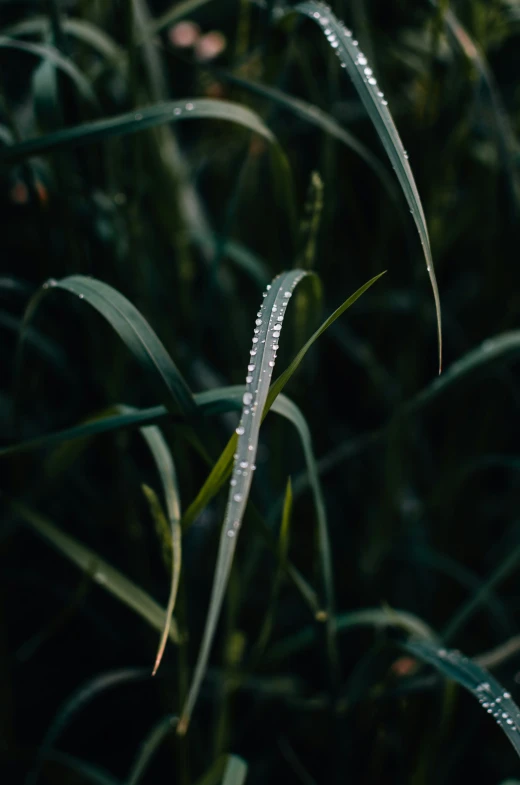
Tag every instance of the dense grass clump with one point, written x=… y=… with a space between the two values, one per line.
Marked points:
x=249 y=533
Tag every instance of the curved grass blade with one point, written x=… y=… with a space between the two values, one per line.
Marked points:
x=260 y=368
x=505 y=136
x=488 y=691
x=86 y=770
x=52 y=55
x=102 y=573
x=315 y=116
x=76 y=703
x=133 y=329
x=81 y=29
x=356 y=65
x=378 y=618
x=154 y=739
x=222 y=468
x=133 y=122
x=166 y=469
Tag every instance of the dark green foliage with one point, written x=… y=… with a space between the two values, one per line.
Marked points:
x=382 y=522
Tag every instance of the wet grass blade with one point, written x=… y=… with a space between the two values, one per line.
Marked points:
x=135 y=332
x=133 y=122
x=259 y=371
x=357 y=67
x=102 y=573
x=488 y=691
x=222 y=468
x=50 y=54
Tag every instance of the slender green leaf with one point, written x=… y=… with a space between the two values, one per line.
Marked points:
x=134 y=330
x=148 y=748
x=52 y=55
x=235 y=772
x=259 y=371
x=139 y=120
x=73 y=705
x=166 y=468
x=489 y=692
x=102 y=573
x=315 y=116
x=362 y=76
x=81 y=29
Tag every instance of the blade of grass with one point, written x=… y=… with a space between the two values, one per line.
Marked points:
x=52 y=55
x=262 y=360
x=148 y=748
x=133 y=329
x=102 y=573
x=75 y=704
x=81 y=29
x=235 y=772
x=357 y=67
x=139 y=120
x=315 y=116
x=488 y=691
x=222 y=468
x=166 y=469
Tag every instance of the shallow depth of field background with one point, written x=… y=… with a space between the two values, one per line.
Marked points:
x=424 y=519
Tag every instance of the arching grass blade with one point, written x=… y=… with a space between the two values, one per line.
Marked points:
x=133 y=122
x=362 y=76
x=102 y=573
x=488 y=691
x=52 y=55
x=133 y=329
x=147 y=749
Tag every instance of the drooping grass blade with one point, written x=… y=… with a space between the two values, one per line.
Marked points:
x=52 y=55
x=139 y=120
x=147 y=749
x=102 y=573
x=376 y=105
x=488 y=691
x=166 y=468
x=133 y=329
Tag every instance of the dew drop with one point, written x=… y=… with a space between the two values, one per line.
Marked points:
x=240 y=430
x=255 y=340
x=271 y=363
x=189 y=107
x=230 y=533
x=138 y=116
x=177 y=111
x=258 y=322
x=244 y=464
x=372 y=81
x=251 y=367
x=237 y=497
x=252 y=352
x=249 y=379
x=247 y=398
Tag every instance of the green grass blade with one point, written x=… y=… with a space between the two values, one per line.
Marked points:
x=166 y=469
x=357 y=67
x=235 y=772
x=135 y=332
x=376 y=618
x=139 y=120
x=73 y=705
x=81 y=29
x=315 y=116
x=102 y=573
x=222 y=468
x=148 y=748
x=52 y=55
x=283 y=550
x=488 y=691
x=259 y=371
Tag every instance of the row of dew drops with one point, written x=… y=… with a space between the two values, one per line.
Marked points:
x=323 y=19
x=244 y=459
x=485 y=694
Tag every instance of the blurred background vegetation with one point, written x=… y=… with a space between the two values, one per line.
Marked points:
x=189 y=222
